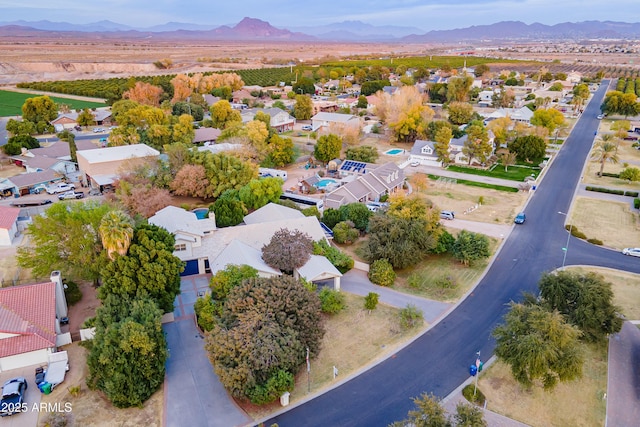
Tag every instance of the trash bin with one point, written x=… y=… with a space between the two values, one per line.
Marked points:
x=45 y=388
x=284 y=399
x=534 y=187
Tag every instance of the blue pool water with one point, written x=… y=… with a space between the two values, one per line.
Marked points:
x=201 y=213
x=324 y=182
x=394 y=152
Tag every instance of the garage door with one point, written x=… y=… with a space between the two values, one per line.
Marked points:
x=191 y=268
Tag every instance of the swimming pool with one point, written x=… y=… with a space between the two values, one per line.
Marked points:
x=394 y=151
x=201 y=213
x=325 y=182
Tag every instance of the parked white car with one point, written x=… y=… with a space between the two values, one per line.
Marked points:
x=62 y=187
x=631 y=251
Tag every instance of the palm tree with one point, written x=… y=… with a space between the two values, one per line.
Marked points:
x=604 y=152
x=116 y=232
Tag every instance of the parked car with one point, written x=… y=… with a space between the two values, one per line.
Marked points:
x=98 y=130
x=26 y=203
x=447 y=215
x=600 y=116
x=77 y=127
x=415 y=163
x=631 y=251
x=520 y=218
x=71 y=195
x=13 y=397
x=60 y=188
x=307 y=127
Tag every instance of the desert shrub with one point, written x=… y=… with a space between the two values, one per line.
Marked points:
x=345 y=232
x=381 y=273
x=205 y=309
x=636 y=203
x=331 y=301
x=631 y=193
x=72 y=292
x=410 y=316
x=479 y=397
x=575 y=232
x=371 y=301
x=611 y=175
x=595 y=241
x=274 y=387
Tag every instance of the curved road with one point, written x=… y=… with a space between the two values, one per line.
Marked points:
x=438 y=361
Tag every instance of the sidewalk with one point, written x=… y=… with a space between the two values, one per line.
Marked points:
x=466 y=176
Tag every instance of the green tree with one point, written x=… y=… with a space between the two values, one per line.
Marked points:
x=630 y=174
x=581 y=90
x=70 y=138
x=330 y=217
x=305 y=85
x=205 y=309
x=372 y=86
x=441 y=144
x=262 y=336
x=328 y=148
x=616 y=102
x=67 y=239
x=15 y=127
x=477 y=146
x=586 y=300
x=470 y=247
x=364 y=153
x=16 y=143
x=604 y=152
x=428 y=413
x=149 y=269
x=288 y=250
x=371 y=301
x=228 y=209
x=458 y=88
x=224 y=172
x=225 y=280
x=39 y=109
x=85 y=118
x=259 y=192
x=538 y=345
x=127 y=355
x=223 y=115
x=548 y=118
x=303 y=108
x=481 y=69
x=339 y=259
x=362 y=102
x=116 y=232
x=345 y=232
x=358 y=213
x=528 y=148
x=460 y=112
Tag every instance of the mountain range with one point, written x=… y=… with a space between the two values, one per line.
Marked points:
x=347 y=31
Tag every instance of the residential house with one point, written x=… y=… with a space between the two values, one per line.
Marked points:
x=522 y=115
x=424 y=152
x=210 y=99
x=189 y=232
x=206 y=135
x=101 y=117
x=241 y=97
x=101 y=166
x=55 y=156
x=324 y=106
x=370 y=186
x=485 y=98
x=8 y=225
x=281 y=120
x=327 y=120
x=220 y=148
x=30 y=322
x=242 y=244
x=27 y=183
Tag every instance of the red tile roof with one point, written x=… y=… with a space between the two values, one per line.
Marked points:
x=28 y=312
x=8 y=217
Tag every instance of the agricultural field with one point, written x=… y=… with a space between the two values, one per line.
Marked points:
x=11 y=103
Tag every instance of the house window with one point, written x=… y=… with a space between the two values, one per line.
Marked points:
x=180 y=247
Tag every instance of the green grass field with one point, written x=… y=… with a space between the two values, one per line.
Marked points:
x=513 y=173
x=11 y=103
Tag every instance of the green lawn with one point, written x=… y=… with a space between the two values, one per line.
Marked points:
x=513 y=173
x=479 y=184
x=11 y=103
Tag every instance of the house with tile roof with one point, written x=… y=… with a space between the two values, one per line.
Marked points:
x=281 y=120
x=8 y=225
x=29 y=325
x=101 y=117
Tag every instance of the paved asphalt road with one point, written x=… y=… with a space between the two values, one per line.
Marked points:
x=438 y=361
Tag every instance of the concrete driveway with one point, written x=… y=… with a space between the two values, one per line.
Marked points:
x=623 y=401
x=32 y=398
x=193 y=394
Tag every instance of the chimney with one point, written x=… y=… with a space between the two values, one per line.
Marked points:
x=61 y=301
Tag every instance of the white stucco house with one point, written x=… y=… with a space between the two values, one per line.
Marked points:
x=8 y=224
x=327 y=120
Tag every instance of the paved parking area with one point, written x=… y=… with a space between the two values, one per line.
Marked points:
x=33 y=395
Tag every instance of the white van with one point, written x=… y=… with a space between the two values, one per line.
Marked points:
x=447 y=215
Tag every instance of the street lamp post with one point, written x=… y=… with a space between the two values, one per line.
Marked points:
x=566 y=248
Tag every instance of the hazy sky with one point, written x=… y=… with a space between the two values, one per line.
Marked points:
x=424 y=14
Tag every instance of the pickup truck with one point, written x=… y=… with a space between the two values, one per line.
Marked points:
x=13 y=397
x=60 y=188
x=71 y=195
